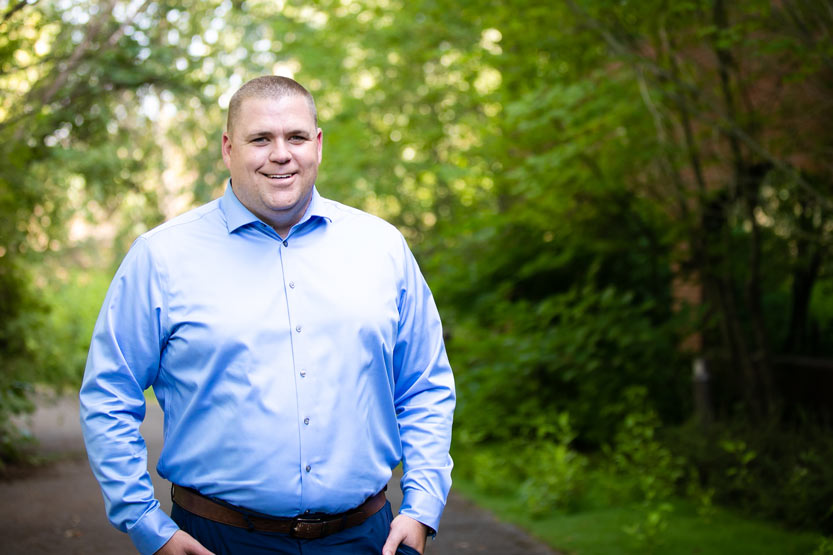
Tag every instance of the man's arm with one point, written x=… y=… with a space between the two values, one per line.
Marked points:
x=424 y=400
x=122 y=363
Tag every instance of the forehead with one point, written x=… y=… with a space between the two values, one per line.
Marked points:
x=287 y=113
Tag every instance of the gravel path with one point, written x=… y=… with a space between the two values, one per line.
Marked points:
x=58 y=509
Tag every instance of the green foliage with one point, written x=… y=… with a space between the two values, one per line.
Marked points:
x=825 y=547
x=647 y=535
x=556 y=474
x=638 y=452
x=555 y=480
x=771 y=472
x=19 y=351
x=575 y=352
x=14 y=400
x=493 y=469
x=741 y=457
x=641 y=458
x=49 y=340
x=74 y=302
x=546 y=473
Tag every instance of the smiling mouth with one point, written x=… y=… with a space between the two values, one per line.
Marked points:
x=278 y=176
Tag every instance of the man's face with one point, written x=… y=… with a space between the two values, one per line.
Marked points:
x=273 y=155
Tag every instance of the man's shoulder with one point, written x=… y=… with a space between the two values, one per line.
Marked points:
x=359 y=220
x=196 y=220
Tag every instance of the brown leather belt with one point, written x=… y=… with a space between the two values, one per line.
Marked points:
x=304 y=527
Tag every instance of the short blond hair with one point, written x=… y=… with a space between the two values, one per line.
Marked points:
x=268 y=86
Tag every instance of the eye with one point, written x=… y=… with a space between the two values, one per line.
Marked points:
x=297 y=138
x=260 y=140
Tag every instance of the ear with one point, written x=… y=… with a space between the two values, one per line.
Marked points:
x=320 y=140
x=227 y=150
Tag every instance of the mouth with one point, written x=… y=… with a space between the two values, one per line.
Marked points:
x=278 y=176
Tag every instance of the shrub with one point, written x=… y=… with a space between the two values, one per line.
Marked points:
x=642 y=459
x=557 y=474
x=767 y=470
x=570 y=353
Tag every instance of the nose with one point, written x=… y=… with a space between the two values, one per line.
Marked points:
x=279 y=153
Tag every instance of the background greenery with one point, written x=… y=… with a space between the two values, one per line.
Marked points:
x=600 y=194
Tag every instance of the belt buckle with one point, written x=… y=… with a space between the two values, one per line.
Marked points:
x=306 y=528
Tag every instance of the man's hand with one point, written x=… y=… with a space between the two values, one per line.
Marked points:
x=405 y=530
x=181 y=543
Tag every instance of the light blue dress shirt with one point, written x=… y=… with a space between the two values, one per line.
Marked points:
x=294 y=373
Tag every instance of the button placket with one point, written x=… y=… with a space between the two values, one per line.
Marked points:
x=293 y=312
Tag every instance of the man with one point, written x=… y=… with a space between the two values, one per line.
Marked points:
x=295 y=350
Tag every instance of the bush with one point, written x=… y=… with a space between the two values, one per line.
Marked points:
x=767 y=470
x=638 y=452
x=643 y=460
x=825 y=547
x=22 y=317
x=557 y=474
x=572 y=353
x=545 y=474
x=45 y=344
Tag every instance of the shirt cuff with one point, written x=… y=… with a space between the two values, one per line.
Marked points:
x=422 y=507
x=152 y=531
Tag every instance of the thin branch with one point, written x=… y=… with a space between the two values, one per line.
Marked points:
x=114 y=38
x=683 y=107
x=14 y=9
x=77 y=54
x=662 y=137
x=90 y=38
x=725 y=61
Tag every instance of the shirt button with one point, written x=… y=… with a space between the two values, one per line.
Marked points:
x=298 y=329
x=308 y=468
x=286 y=243
x=306 y=421
x=303 y=373
x=292 y=285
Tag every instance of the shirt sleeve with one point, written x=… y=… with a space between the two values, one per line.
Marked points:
x=123 y=361
x=424 y=399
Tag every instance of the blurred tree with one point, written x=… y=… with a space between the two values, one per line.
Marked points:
x=76 y=136
x=727 y=87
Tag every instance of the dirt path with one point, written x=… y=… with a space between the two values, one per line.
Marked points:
x=58 y=509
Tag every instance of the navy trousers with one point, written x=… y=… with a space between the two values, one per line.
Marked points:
x=222 y=539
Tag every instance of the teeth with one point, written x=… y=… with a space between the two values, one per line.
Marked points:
x=278 y=176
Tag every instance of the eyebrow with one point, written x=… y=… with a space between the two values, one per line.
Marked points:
x=264 y=133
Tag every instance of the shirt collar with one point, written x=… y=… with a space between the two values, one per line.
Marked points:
x=317 y=209
x=238 y=215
